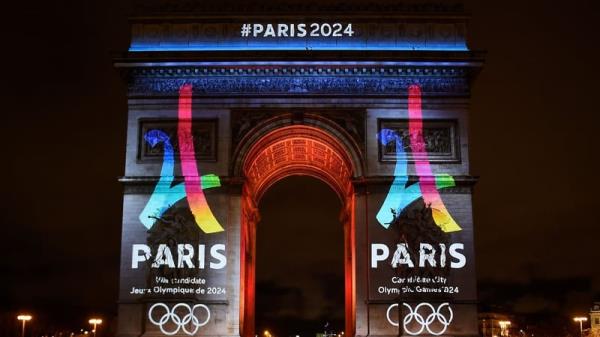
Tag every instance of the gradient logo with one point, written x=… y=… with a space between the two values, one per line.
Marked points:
x=400 y=195
x=166 y=194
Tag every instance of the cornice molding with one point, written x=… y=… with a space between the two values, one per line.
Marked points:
x=305 y=70
x=297 y=79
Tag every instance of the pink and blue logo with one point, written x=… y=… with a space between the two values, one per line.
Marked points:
x=400 y=195
x=166 y=194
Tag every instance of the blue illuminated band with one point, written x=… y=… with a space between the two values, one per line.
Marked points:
x=291 y=46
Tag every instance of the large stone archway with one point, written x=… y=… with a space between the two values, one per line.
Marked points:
x=215 y=117
x=283 y=152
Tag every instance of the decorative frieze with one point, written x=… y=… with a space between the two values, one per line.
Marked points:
x=306 y=69
x=296 y=86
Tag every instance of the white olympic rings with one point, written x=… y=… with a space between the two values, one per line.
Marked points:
x=414 y=314
x=180 y=323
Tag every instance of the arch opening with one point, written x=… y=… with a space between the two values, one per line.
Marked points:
x=290 y=151
x=300 y=259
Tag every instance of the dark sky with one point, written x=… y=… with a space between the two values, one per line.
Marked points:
x=533 y=140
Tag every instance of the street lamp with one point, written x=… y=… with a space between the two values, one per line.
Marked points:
x=580 y=320
x=504 y=326
x=95 y=322
x=24 y=319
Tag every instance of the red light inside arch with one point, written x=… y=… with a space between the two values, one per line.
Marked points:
x=294 y=150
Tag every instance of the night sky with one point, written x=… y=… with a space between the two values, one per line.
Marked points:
x=534 y=144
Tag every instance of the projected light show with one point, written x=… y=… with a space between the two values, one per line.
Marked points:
x=165 y=195
x=401 y=266
x=417 y=266
x=176 y=259
x=400 y=195
x=297 y=169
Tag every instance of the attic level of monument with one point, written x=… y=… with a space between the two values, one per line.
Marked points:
x=280 y=28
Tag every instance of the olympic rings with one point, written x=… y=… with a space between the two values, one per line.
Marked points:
x=425 y=322
x=180 y=323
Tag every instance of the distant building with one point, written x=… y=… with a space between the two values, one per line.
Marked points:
x=595 y=319
x=496 y=325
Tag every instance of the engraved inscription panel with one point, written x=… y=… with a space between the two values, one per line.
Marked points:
x=204 y=137
x=441 y=138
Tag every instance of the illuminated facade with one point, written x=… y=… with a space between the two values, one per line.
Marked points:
x=225 y=103
x=595 y=319
x=496 y=325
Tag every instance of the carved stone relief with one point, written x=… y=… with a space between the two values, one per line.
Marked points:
x=204 y=134
x=441 y=140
